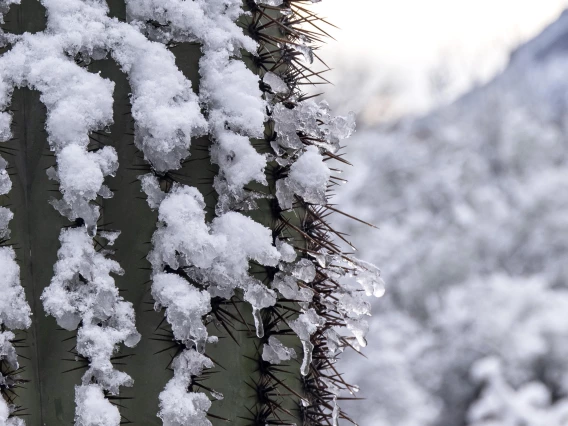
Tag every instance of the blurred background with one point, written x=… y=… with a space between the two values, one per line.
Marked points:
x=460 y=159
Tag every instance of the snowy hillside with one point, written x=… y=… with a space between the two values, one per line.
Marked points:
x=472 y=205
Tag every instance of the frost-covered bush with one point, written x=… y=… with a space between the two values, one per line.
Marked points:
x=471 y=202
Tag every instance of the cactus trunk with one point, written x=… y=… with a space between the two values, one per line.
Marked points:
x=283 y=294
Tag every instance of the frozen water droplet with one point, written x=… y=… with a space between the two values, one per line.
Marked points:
x=308 y=350
x=306 y=51
x=92 y=230
x=200 y=345
x=258 y=323
x=335 y=412
x=320 y=259
x=217 y=395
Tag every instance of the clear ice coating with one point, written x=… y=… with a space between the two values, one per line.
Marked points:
x=275 y=352
x=277 y=85
x=259 y=297
x=258 y=323
x=313 y=119
x=287 y=280
x=304 y=326
x=308 y=348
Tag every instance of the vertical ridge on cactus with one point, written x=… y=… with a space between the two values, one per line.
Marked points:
x=230 y=160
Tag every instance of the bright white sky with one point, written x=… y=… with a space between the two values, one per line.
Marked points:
x=403 y=41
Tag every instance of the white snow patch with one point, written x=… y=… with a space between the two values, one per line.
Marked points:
x=93 y=409
x=308 y=178
x=178 y=407
x=83 y=291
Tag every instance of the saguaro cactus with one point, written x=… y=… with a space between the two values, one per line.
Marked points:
x=164 y=181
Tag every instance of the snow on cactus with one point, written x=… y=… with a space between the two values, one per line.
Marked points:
x=215 y=136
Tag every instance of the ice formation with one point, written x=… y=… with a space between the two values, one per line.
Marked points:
x=310 y=118
x=275 y=352
x=304 y=326
x=287 y=280
x=308 y=178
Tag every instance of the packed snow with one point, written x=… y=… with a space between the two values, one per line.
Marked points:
x=228 y=90
x=178 y=407
x=93 y=409
x=215 y=254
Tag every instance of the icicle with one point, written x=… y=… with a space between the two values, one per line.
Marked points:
x=308 y=350
x=304 y=326
x=258 y=324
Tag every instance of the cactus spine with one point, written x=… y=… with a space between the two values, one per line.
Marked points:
x=196 y=280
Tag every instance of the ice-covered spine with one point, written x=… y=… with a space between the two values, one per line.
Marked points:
x=328 y=285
